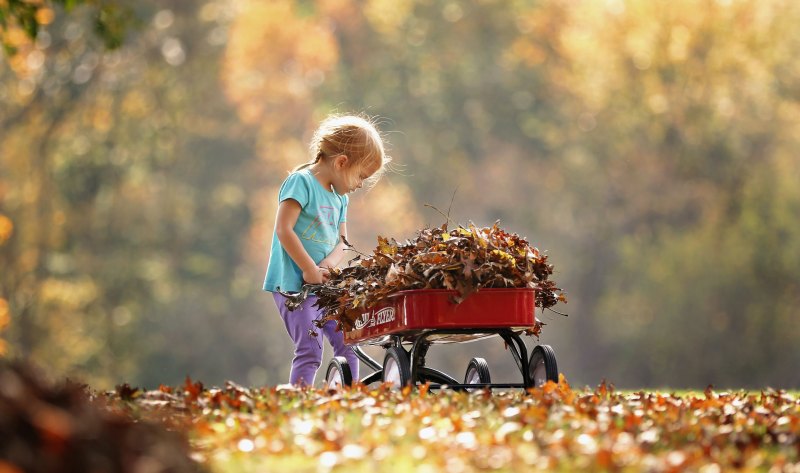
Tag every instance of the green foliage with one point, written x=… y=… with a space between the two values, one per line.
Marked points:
x=648 y=146
x=112 y=20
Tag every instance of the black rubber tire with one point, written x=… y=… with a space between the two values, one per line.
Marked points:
x=543 y=354
x=398 y=357
x=340 y=364
x=480 y=366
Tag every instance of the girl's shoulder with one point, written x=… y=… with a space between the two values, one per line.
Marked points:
x=303 y=174
x=296 y=186
x=302 y=178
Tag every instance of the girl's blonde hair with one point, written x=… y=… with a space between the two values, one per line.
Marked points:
x=354 y=136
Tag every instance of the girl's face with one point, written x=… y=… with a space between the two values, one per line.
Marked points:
x=351 y=178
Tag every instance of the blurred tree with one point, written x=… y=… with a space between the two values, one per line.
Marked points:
x=678 y=123
x=129 y=201
x=648 y=145
x=21 y=20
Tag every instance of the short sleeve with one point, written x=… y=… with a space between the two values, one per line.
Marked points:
x=295 y=187
x=343 y=216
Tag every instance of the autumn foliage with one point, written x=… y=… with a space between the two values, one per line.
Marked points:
x=464 y=259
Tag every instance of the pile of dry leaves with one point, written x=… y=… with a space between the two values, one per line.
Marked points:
x=464 y=259
x=63 y=428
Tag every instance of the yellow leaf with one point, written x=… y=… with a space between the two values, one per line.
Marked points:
x=6 y=228
x=504 y=256
x=385 y=247
x=45 y=16
x=5 y=317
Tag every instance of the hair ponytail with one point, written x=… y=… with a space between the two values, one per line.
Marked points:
x=310 y=163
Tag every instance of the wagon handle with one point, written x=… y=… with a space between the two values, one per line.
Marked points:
x=368 y=360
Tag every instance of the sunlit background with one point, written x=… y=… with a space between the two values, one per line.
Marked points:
x=650 y=147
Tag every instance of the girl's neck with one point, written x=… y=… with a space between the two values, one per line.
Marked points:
x=323 y=173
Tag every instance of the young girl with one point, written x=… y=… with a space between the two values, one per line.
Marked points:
x=306 y=243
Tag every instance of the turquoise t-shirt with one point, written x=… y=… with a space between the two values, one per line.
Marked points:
x=322 y=211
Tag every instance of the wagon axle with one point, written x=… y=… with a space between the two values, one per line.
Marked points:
x=401 y=367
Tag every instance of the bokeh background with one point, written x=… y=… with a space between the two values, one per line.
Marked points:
x=650 y=147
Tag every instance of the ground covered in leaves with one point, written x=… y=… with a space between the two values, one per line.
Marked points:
x=553 y=428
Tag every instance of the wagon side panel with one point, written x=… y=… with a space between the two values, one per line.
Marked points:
x=426 y=309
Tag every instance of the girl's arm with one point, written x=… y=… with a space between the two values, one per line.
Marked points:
x=335 y=257
x=288 y=212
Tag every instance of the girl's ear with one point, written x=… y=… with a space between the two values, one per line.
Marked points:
x=340 y=161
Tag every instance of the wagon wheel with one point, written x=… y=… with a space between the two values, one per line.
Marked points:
x=338 y=373
x=477 y=372
x=396 y=367
x=542 y=366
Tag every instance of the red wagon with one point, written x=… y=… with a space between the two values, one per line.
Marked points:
x=409 y=322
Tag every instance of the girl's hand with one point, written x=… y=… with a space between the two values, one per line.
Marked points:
x=326 y=265
x=316 y=275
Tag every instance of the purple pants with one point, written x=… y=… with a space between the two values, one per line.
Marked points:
x=307 y=348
